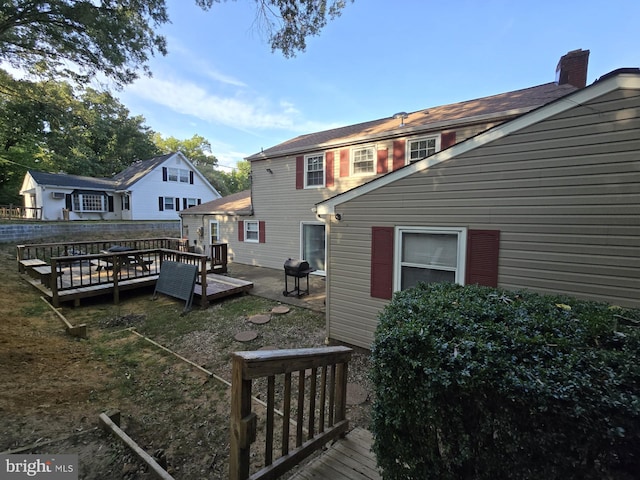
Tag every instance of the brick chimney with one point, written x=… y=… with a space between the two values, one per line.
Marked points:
x=572 y=68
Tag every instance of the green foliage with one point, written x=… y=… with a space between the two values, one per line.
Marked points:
x=197 y=149
x=474 y=382
x=226 y=183
x=79 y=39
x=289 y=23
x=50 y=127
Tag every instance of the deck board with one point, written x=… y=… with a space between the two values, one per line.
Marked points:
x=350 y=458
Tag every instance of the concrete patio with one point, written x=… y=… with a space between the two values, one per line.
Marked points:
x=270 y=283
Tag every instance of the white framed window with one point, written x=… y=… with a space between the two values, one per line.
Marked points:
x=429 y=254
x=251 y=231
x=191 y=202
x=363 y=161
x=177 y=175
x=314 y=170
x=419 y=148
x=169 y=203
x=126 y=202
x=214 y=231
x=89 y=202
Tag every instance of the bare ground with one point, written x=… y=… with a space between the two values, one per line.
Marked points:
x=54 y=386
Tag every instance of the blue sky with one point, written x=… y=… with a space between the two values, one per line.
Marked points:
x=221 y=80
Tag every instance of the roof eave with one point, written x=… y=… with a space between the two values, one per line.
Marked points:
x=622 y=81
x=397 y=132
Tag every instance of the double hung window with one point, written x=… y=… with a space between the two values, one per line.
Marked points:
x=314 y=170
x=429 y=255
x=421 y=148
x=363 y=161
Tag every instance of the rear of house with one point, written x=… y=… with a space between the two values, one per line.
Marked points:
x=288 y=179
x=549 y=202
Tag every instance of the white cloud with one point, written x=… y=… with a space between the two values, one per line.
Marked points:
x=188 y=98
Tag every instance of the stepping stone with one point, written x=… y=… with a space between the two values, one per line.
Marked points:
x=246 y=336
x=356 y=394
x=280 y=309
x=269 y=347
x=260 y=319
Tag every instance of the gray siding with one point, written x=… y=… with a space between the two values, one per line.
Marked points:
x=564 y=193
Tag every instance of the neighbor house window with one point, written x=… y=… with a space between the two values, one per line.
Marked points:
x=363 y=161
x=429 y=255
x=126 y=202
x=251 y=231
x=178 y=175
x=89 y=202
x=314 y=170
x=421 y=148
x=169 y=203
x=191 y=202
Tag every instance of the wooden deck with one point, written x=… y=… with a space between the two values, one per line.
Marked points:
x=218 y=286
x=346 y=459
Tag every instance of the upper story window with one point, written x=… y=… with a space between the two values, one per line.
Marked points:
x=422 y=147
x=178 y=175
x=314 y=170
x=363 y=161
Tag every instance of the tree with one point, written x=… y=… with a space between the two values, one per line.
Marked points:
x=49 y=127
x=289 y=22
x=226 y=183
x=197 y=149
x=79 y=39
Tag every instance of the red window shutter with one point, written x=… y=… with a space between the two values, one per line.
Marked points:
x=383 y=155
x=483 y=247
x=447 y=139
x=262 y=236
x=398 y=154
x=329 y=173
x=241 y=231
x=299 y=172
x=382 y=262
x=344 y=162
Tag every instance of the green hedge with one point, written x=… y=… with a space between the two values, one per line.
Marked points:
x=478 y=383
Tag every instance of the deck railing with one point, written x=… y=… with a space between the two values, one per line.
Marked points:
x=44 y=251
x=82 y=265
x=12 y=212
x=316 y=409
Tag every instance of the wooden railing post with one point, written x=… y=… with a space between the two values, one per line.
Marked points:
x=243 y=423
x=203 y=281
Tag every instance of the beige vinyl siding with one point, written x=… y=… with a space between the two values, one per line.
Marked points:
x=564 y=193
x=282 y=207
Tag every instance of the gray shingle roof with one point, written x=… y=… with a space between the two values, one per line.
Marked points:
x=509 y=103
x=120 y=181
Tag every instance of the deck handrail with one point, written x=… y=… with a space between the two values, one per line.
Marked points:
x=326 y=406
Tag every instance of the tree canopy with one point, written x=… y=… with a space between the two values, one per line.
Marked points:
x=78 y=39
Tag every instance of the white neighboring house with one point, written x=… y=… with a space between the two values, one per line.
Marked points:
x=154 y=189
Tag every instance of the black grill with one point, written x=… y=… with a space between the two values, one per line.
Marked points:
x=297 y=269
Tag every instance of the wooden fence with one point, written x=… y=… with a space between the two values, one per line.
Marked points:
x=319 y=407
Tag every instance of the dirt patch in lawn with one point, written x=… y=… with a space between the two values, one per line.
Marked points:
x=54 y=386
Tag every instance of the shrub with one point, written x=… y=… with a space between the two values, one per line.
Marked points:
x=475 y=382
